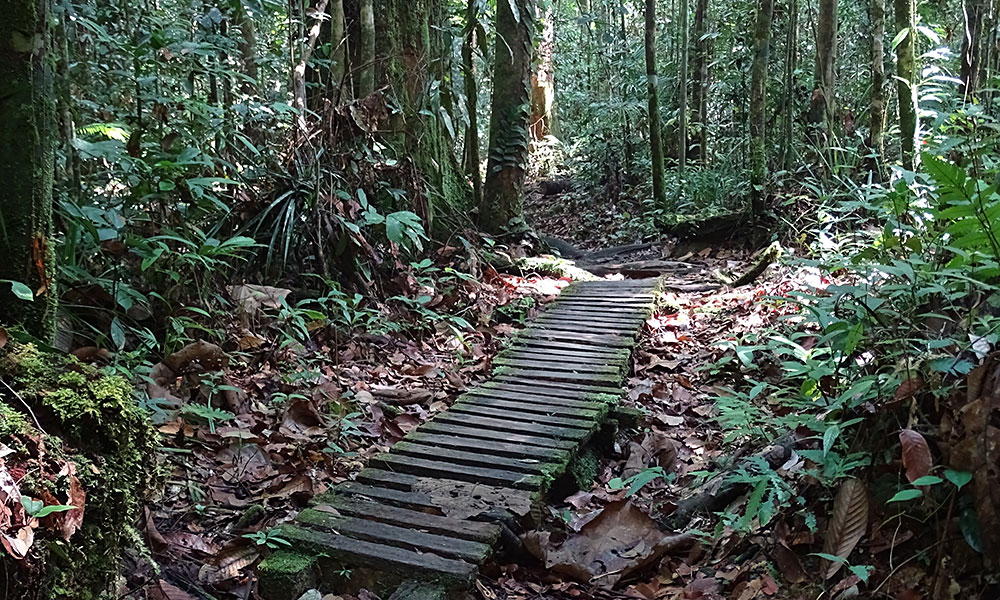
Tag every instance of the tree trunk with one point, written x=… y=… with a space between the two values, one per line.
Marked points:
x=406 y=56
x=247 y=45
x=27 y=133
x=469 y=43
x=906 y=83
x=509 y=119
x=825 y=86
x=656 y=145
x=876 y=112
x=791 y=62
x=701 y=73
x=682 y=105
x=758 y=105
x=543 y=91
x=974 y=12
x=307 y=44
x=366 y=71
x=339 y=88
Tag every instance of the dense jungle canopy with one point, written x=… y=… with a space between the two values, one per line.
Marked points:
x=716 y=281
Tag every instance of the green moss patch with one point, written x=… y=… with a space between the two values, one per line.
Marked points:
x=91 y=421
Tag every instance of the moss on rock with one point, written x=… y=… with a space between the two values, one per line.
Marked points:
x=91 y=420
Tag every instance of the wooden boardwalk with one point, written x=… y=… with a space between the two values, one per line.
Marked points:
x=435 y=506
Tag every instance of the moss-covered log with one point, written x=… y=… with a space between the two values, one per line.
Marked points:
x=97 y=450
x=27 y=134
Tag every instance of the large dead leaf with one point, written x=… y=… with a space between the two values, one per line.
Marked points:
x=251 y=298
x=619 y=542
x=848 y=523
x=916 y=454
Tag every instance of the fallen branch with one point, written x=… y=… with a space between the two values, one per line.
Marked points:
x=766 y=259
x=718 y=492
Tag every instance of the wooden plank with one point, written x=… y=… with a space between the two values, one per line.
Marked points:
x=591 y=350
x=542 y=387
x=536 y=353
x=385 y=495
x=493 y=447
x=393 y=535
x=563 y=376
x=633 y=320
x=586 y=325
x=521 y=416
x=441 y=468
x=587 y=410
x=580 y=339
x=565 y=365
x=561 y=433
x=531 y=395
x=361 y=553
x=611 y=309
x=456 y=429
x=531 y=466
x=394 y=515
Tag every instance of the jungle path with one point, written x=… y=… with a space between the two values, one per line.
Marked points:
x=440 y=502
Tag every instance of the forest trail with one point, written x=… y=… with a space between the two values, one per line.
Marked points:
x=436 y=506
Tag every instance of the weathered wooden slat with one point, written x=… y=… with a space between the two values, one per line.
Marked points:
x=451 y=428
x=393 y=535
x=587 y=411
x=531 y=466
x=565 y=365
x=442 y=468
x=488 y=447
x=359 y=506
x=573 y=388
x=536 y=395
x=521 y=416
x=562 y=433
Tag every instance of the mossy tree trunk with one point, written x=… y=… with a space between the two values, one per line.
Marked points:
x=652 y=92
x=247 y=45
x=510 y=116
x=27 y=134
x=876 y=109
x=758 y=105
x=906 y=81
x=469 y=43
x=406 y=60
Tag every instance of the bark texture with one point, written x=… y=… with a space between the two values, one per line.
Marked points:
x=825 y=90
x=876 y=110
x=758 y=104
x=509 y=119
x=682 y=105
x=543 y=85
x=27 y=134
x=974 y=12
x=655 y=142
x=699 y=93
x=469 y=43
x=366 y=70
x=906 y=82
x=406 y=61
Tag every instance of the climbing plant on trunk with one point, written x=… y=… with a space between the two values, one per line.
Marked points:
x=509 y=120
x=27 y=134
x=876 y=109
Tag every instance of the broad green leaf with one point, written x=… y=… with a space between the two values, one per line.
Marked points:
x=959 y=478
x=927 y=480
x=904 y=495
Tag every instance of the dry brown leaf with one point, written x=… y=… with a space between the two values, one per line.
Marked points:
x=229 y=563
x=847 y=525
x=916 y=454
x=162 y=590
x=620 y=541
x=908 y=389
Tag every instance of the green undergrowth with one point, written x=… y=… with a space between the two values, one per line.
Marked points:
x=92 y=422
